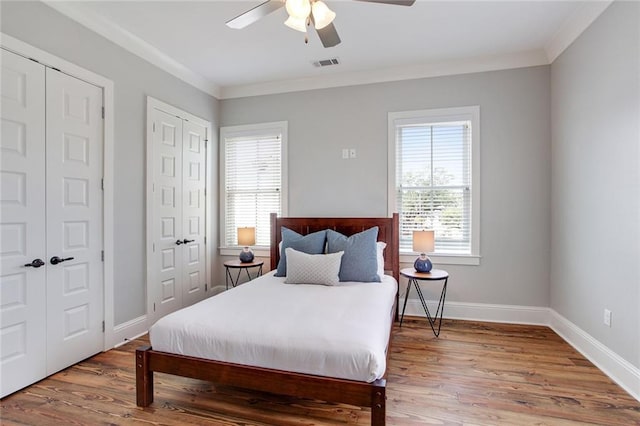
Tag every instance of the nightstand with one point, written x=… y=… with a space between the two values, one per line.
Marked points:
x=236 y=264
x=434 y=275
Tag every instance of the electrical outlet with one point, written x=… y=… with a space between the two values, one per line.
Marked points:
x=607 y=318
x=352 y=153
x=345 y=153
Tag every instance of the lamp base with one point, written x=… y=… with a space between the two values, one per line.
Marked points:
x=423 y=263
x=246 y=255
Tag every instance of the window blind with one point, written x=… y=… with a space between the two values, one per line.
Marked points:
x=252 y=185
x=433 y=183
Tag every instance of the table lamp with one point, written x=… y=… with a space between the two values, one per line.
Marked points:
x=246 y=238
x=423 y=242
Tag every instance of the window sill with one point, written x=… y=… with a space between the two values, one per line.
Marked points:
x=471 y=260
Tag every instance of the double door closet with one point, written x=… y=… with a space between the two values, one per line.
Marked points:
x=51 y=223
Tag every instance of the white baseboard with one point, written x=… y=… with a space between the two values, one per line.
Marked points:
x=216 y=289
x=618 y=369
x=127 y=340
x=513 y=314
x=126 y=331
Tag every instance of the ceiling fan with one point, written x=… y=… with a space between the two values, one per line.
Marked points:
x=303 y=13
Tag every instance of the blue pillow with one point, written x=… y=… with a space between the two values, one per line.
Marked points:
x=360 y=259
x=310 y=244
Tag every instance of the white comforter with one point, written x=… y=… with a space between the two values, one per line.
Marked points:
x=339 y=331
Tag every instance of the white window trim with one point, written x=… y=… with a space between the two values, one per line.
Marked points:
x=441 y=114
x=244 y=131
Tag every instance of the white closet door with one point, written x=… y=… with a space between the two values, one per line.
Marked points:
x=193 y=212
x=167 y=226
x=22 y=224
x=74 y=220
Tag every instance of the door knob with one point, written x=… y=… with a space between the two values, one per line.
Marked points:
x=185 y=241
x=178 y=242
x=36 y=263
x=55 y=260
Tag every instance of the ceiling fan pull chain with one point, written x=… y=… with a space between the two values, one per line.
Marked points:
x=306 y=34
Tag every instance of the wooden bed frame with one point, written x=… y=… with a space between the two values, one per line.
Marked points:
x=298 y=385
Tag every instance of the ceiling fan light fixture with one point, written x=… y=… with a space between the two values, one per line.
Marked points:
x=301 y=14
x=298 y=24
x=298 y=8
x=322 y=15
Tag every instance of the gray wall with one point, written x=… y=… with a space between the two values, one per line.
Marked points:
x=134 y=79
x=515 y=165
x=596 y=180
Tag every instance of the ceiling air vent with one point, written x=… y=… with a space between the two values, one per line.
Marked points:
x=326 y=62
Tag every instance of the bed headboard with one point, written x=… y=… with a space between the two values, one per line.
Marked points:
x=387 y=232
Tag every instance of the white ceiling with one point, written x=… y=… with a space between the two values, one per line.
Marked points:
x=379 y=42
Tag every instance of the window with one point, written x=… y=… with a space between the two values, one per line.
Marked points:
x=253 y=179
x=434 y=179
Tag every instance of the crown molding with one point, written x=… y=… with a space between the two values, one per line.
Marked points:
x=467 y=66
x=134 y=44
x=575 y=25
x=569 y=31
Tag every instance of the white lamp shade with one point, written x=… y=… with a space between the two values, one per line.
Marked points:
x=423 y=241
x=298 y=24
x=322 y=15
x=298 y=8
x=246 y=236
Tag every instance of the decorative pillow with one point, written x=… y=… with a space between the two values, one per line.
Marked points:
x=310 y=244
x=380 y=246
x=305 y=268
x=360 y=259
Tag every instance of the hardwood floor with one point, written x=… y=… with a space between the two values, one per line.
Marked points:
x=474 y=374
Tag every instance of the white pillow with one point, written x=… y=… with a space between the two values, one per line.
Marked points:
x=303 y=268
x=380 y=246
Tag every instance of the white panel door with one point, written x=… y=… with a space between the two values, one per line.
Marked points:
x=74 y=132
x=167 y=226
x=22 y=224
x=193 y=212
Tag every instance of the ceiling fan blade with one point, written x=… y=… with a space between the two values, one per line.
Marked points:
x=252 y=15
x=329 y=36
x=396 y=2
